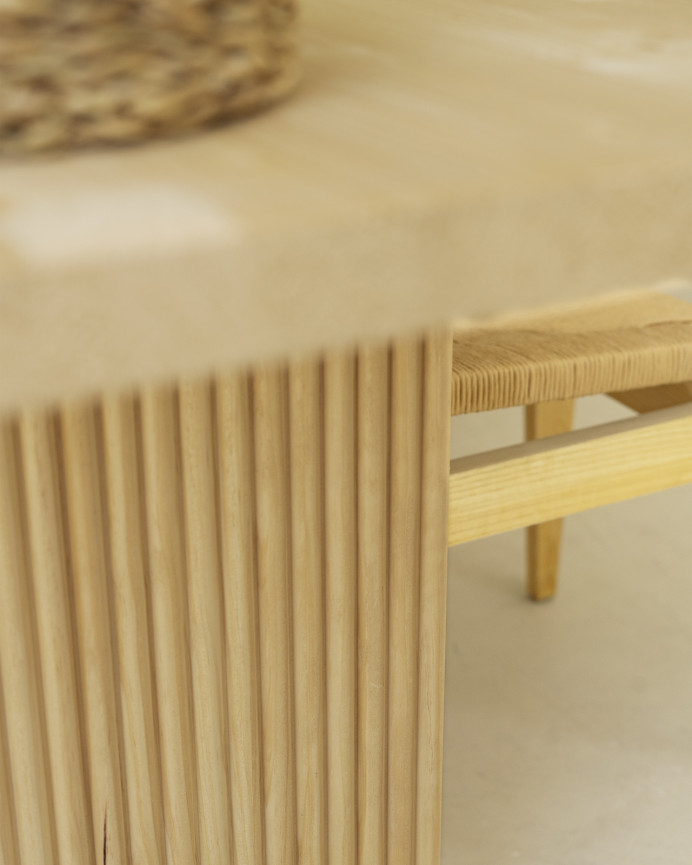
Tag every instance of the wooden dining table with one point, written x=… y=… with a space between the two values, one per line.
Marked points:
x=225 y=414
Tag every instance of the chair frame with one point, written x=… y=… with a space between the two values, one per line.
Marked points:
x=558 y=472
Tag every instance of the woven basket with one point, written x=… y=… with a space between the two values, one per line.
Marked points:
x=80 y=72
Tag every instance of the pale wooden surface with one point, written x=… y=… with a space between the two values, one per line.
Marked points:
x=254 y=672
x=306 y=430
x=132 y=604
x=544 y=539
x=341 y=609
x=373 y=612
x=44 y=522
x=241 y=606
x=26 y=793
x=170 y=628
x=404 y=587
x=437 y=160
x=93 y=623
x=206 y=616
x=517 y=486
x=433 y=599
x=274 y=580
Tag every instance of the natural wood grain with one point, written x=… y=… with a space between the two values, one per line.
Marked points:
x=341 y=540
x=270 y=394
x=306 y=402
x=548 y=418
x=27 y=796
x=237 y=502
x=132 y=605
x=514 y=487
x=563 y=161
x=437 y=360
x=206 y=615
x=543 y=540
x=58 y=645
x=404 y=597
x=8 y=833
x=89 y=557
x=373 y=534
x=637 y=346
x=168 y=580
x=241 y=582
x=654 y=398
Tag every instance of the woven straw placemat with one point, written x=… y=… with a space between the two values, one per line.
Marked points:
x=81 y=72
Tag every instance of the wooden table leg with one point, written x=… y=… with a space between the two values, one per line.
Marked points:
x=223 y=618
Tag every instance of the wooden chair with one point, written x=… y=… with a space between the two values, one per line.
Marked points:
x=637 y=349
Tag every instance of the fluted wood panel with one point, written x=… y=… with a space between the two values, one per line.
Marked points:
x=237 y=511
x=222 y=618
x=373 y=533
x=57 y=641
x=8 y=835
x=206 y=612
x=170 y=619
x=132 y=601
x=433 y=600
x=93 y=614
x=273 y=527
x=307 y=532
x=341 y=604
x=22 y=730
x=404 y=591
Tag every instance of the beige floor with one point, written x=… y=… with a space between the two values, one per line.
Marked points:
x=569 y=724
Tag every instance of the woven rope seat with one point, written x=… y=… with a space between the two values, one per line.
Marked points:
x=75 y=73
x=617 y=343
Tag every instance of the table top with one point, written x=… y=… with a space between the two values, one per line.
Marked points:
x=439 y=159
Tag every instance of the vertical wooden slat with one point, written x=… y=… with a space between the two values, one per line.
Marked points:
x=404 y=568
x=9 y=847
x=433 y=594
x=206 y=620
x=129 y=566
x=341 y=605
x=165 y=524
x=373 y=503
x=237 y=507
x=57 y=640
x=275 y=601
x=307 y=510
x=90 y=580
x=19 y=669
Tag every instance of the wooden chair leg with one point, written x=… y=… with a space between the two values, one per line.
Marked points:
x=543 y=540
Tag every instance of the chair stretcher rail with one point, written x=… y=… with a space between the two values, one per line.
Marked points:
x=531 y=483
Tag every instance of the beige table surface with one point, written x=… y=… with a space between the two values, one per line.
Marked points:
x=439 y=159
